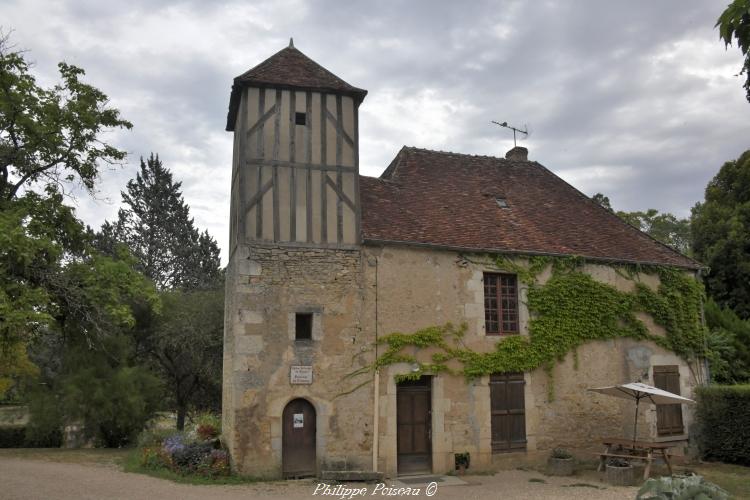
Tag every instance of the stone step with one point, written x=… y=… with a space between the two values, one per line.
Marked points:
x=351 y=475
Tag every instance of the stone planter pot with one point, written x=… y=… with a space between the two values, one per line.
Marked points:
x=620 y=476
x=560 y=466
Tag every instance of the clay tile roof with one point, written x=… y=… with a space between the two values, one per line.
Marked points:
x=450 y=200
x=289 y=69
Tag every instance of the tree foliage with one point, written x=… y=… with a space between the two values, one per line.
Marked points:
x=724 y=324
x=664 y=227
x=721 y=235
x=734 y=23
x=52 y=277
x=63 y=302
x=105 y=390
x=156 y=226
x=186 y=343
x=51 y=135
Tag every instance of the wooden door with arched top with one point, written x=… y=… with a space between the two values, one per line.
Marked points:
x=298 y=439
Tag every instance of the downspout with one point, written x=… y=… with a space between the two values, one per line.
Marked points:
x=376 y=384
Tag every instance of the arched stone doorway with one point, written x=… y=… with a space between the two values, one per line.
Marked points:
x=298 y=439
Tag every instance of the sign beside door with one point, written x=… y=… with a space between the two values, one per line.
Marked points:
x=301 y=375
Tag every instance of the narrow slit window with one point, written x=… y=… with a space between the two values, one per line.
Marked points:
x=300 y=118
x=303 y=326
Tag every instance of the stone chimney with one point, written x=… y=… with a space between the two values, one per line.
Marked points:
x=517 y=153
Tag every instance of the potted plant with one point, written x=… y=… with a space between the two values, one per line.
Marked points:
x=560 y=463
x=462 y=462
x=619 y=472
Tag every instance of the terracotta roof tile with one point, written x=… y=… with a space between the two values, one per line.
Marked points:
x=449 y=200
x=291 y=69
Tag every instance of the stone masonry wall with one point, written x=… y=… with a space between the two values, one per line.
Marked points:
x=421 y=287
x=411 y=289
x=268 y=286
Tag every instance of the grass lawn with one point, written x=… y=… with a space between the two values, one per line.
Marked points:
x=131 y=463
x=90 y=456
x=733 y=478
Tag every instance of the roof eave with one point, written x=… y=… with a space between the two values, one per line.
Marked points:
x=453 y=248
x=234 y=98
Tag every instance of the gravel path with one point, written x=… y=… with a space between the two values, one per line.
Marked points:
x=39 y=479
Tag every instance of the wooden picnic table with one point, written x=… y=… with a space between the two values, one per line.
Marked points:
x=634 y=450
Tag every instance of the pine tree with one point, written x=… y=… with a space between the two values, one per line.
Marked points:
x=184 y=343
x=155 y=224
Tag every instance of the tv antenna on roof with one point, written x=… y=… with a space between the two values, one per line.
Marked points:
x=525 y=130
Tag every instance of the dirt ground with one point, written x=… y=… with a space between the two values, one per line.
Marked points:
x=32 y=477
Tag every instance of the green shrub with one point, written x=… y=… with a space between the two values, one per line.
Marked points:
x=44 y=429
x=723 y=417
x=561 y=453
x=113 y=399
x=12 y=437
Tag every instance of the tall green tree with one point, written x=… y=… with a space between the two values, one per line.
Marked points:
x=729 y=341
x=156 y=226
x=49 y=136
x=54 y=283
x=665 y=227
x=184 y=342
x=721 y=235
x=734 y=23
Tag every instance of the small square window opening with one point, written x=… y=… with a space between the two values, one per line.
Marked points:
x=303 y=326
x=501 y=202
x=300 y=118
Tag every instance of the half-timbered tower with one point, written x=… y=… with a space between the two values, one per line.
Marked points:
x=295 y=154
x=294 y=277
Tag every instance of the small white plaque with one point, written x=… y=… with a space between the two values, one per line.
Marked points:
x=299 y=420
x=301 y=375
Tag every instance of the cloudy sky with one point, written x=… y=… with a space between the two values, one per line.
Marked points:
x=638 y=100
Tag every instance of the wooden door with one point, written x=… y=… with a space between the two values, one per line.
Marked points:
x=508 y=412
x=668 y=417
x=414 y=422
x=298 y=439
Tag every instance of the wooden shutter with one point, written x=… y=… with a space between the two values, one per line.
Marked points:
x=508 y=412
x=668 y=417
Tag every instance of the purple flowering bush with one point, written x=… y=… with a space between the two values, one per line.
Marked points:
x=174 y=444
x=186 y=456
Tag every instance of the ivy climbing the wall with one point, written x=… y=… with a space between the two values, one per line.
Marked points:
x=570 y=309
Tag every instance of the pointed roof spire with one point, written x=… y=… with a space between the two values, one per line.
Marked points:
x=289 y=68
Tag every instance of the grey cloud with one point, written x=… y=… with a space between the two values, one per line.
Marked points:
x=595 y=81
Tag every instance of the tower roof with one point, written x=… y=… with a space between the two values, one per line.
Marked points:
x=289 y=69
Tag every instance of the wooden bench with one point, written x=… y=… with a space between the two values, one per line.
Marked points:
x=634 y=450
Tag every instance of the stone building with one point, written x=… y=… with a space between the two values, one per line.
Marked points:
x=325 y=263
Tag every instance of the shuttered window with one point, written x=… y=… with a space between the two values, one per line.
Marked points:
x=500 y=304
x=668 y=417
x=508 y=412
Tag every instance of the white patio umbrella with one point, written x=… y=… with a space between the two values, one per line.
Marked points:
x=638 y=391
